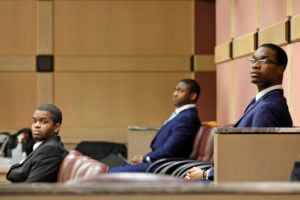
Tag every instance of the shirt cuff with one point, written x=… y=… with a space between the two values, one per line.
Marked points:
x=148 y=159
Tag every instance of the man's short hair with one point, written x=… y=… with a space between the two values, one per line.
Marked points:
x=53 y=110
x=281 y=56
x=193 y=86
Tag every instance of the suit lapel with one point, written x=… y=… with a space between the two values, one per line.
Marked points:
x=251 y=105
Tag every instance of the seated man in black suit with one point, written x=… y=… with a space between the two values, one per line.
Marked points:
x=43 y=163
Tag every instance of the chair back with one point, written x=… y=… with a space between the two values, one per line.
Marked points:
x=203 y=147
x=76 y=165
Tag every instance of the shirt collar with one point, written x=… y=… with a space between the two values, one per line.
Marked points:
x=37 y=144
x=184 y=107
x=265 y=91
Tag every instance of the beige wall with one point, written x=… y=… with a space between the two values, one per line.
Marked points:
x=115 y=62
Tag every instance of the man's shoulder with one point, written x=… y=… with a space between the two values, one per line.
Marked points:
x=52 y=144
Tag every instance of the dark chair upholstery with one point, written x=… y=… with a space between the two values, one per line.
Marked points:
x=202 y=154
x=75 y=165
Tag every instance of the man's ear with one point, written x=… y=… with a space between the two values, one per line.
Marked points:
x=281 y=69
x=193 y=97
x=57 y=128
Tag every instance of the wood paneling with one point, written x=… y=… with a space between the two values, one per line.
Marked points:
x=223 y=21
x=44 y=88
x=17 y=63
x=123 y=63
x=242 y=83
x=18 y=27
x=206 y=103
x=295 y=84
x=224 y=93
x=250 y=157
x=245 y=17
x=205 y=27
x=123 y=27
x=115 y=100
x=244 y=45
x=76 y=135
x=295 y=28
x=44 y=27
x=222 y=52
x=18 y=99
x=204 y=63
x=273 y=34
x=295 y=7
x=272 y=13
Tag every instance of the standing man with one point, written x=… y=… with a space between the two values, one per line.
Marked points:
x=43 y=163
x=269 y=107
x=175 y=138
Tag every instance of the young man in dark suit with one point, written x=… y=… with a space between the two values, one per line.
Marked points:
x=176 y=136
x=269 y=107
x=43 y=163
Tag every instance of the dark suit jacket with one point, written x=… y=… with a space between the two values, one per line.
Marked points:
x=41 y=165
x=270 y=110
x=175 y=138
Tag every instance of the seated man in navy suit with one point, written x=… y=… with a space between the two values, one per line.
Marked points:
x=43 y=163
x=269 y=107
x=176 y=136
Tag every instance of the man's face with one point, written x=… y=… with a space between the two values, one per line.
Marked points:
x=43 y=125
x=181 y=95
x=266 y=74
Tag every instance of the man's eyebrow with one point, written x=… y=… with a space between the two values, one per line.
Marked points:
x=39 y=118
x=263 y=57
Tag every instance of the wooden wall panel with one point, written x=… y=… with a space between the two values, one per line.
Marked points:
x=44 y=88
x=17 y=63
x=272 y=13
x=244 y=45
x=245 y=17
x=275 y=34
x=18 y=27
x=295 y=7
x=205 y=27
x=123 y=27
x=242 y=83
x=295 y=105
x=123 y=63
x=295 y=30
x=17 y=99
x=45 y=27
x=223 y=52
x=223 y=21
x=224 y=93
x=114 y=101
x=207 y=101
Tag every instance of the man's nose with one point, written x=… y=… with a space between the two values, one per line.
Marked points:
x=256 y=65
x=37 y=124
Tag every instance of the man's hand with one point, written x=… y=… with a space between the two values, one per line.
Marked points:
x=137 y=159
x=195 y=174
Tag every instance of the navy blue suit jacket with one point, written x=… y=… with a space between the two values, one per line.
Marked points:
x=270 y=110
x=174 y=139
